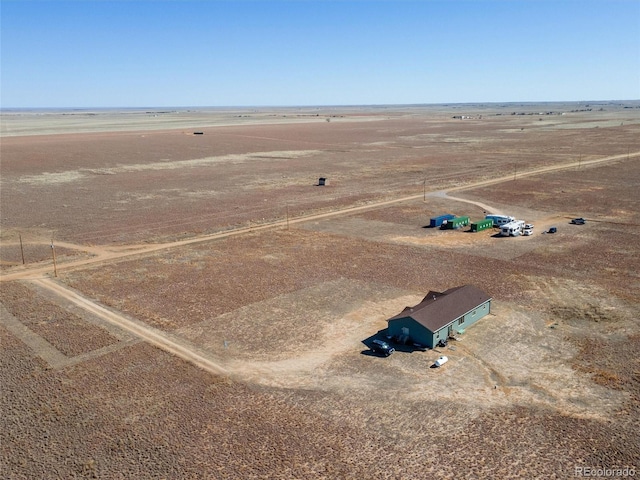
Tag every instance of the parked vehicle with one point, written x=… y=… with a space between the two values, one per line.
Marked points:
x=578 y=221
x=499 y=220
x=382 y=347
x=528 y=226
x=527 y=231
x=552 y=230
x=512 y=229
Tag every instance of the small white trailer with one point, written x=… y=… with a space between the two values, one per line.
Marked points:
x=499 y=220
x=512 y=229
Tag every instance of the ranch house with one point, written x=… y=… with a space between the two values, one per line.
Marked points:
x=440 y=315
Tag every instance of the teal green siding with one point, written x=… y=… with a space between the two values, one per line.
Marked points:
x=408 y=326
x=466 y=320
x=420 y=334
x=475 y=315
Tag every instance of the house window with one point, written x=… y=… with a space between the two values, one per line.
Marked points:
x=460 y=321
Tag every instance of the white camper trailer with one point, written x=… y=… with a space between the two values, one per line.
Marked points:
x=499 y=220
x=512 y=229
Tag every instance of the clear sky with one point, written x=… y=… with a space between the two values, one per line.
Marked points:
x=154 y=53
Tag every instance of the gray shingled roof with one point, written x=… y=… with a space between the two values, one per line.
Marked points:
x=437 y=310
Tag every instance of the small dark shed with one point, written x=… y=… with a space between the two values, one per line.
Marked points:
x=322 y=181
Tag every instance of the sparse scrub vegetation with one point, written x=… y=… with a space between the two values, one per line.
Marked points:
x=549 y=381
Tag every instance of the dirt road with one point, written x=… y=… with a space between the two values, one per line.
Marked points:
x=173 y=345
x=180 y=346
x=109 y=254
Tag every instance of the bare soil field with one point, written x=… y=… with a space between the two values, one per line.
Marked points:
x=548 y=382
x=140 y=186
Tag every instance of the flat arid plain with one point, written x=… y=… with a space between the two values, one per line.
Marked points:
x=181 y=299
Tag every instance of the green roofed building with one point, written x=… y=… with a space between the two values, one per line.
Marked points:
x=440 y=315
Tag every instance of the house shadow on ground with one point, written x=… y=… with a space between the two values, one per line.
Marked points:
x=399 y=347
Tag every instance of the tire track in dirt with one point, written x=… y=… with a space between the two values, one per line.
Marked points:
x=167 y=342
x=484 y=206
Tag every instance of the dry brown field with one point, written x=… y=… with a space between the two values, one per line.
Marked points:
x=210 y=301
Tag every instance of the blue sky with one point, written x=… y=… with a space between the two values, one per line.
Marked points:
x=152 y=53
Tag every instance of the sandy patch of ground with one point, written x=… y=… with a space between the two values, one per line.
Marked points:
x=75 y=175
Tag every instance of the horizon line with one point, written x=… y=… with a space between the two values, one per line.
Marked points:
x=276 y=106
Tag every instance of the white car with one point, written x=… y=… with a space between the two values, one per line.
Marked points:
x=527 y=231
x=529 y=226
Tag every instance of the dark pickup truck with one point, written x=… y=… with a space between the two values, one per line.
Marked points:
x=382 y=347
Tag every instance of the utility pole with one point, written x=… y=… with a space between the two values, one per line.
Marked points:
x=53 y=252
x=424 y=191
x=21 y=248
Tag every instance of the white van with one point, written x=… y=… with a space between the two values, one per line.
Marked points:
x=499 y=220
x=512 y=229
